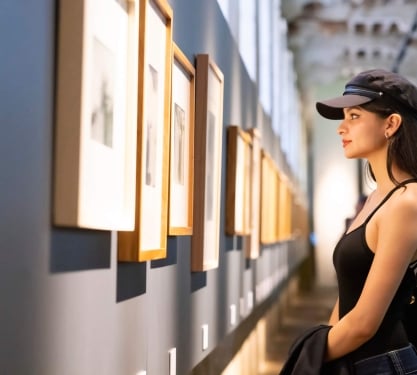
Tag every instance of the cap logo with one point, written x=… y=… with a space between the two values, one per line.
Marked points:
x=356 y=90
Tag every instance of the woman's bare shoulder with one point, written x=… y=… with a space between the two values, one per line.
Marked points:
x=402 y=207
x=406 y=198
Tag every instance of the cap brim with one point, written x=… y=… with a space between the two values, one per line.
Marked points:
x=333 y=108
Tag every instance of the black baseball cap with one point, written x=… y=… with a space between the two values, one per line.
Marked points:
x=368 y=86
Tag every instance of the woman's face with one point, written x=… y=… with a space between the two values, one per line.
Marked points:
x=362 y=133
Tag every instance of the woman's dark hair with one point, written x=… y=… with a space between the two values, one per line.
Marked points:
x=402 y=146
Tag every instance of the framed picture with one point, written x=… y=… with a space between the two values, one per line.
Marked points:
x=252 y=242
x=269 y=200
x=285 y=209
x=207 y=164
x=148 y=239
x=96 y=112
x=238 y=188
x=299 y=220
x=181 y=181
x=274 y=213
x=279 y=207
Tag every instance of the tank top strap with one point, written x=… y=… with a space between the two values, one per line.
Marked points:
x=402 y=184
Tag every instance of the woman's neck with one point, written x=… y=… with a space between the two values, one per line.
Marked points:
x=383 y=180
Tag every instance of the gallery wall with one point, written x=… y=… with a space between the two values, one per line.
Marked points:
x=67 y=305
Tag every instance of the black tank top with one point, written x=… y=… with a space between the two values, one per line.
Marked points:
x=352 y=259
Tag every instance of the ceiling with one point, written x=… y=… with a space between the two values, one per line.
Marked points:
x=334 y=39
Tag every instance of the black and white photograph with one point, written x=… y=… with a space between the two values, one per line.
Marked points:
x=102 y=92
x=151 y=127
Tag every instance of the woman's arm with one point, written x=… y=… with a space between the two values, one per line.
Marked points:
x=393 y=234
x=334 y=316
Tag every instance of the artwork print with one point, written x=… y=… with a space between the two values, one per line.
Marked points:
x=151 y=127
x=102 y=94
x=179 y=144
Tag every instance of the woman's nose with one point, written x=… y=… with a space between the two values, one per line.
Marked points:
x=341 y=129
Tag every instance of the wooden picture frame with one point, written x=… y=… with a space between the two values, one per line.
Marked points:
x=96 y=111
x=180 y=213
x=299 y=219
x=274 y=213
x=269 y=200
x=238 y=166
x=252 y=242
x=285 y=208
x=148 y=239
x=207 y=164
x=279 y=218
x=264 y=236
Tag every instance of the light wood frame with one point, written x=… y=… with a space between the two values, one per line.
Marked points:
x=181 y=184
x=279 y=212
x=269 y=200
x=285 y=208
x=238 y=188
x=149 y=238
x=252 y=242
x=96 y=111
x=207 y=164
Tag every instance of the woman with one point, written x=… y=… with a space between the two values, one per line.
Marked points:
x=375 y=257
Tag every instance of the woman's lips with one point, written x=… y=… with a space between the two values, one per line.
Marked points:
x=345 y=142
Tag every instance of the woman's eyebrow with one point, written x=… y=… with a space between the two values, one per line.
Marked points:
x=349 y=109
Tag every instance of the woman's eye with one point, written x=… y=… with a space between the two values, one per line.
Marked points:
x=353 y=116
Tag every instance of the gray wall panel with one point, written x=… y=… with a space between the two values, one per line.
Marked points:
x=67 y=306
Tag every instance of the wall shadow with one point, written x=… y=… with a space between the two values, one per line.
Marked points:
x=79 y=250
x=198 y=280
x=131 y=280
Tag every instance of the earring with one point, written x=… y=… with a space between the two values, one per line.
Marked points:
x=386 y=136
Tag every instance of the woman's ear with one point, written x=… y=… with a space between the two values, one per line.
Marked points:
x=393 y=123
